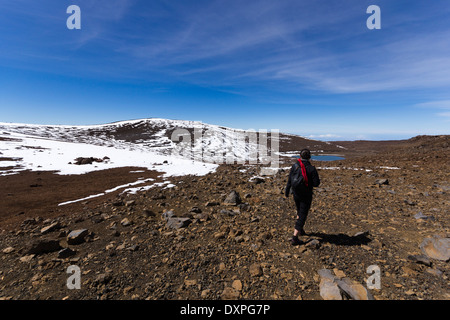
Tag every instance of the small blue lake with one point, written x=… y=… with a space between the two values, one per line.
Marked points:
x=325 y=158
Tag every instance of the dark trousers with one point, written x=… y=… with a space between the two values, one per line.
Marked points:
x=303 y=203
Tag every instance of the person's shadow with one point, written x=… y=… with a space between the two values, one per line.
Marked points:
x=342 y=239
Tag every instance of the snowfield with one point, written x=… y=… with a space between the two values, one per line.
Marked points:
x=175 y=147
x=48 y=154
x=172 y=147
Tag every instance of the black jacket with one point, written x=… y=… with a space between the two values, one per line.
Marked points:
x=311 y=172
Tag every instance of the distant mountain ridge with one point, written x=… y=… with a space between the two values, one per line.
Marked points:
x=157 y=135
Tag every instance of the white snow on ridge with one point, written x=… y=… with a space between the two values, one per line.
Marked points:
x=151 y=144
x=44 y=154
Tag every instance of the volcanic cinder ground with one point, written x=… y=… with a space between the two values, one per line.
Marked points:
x=167 y=228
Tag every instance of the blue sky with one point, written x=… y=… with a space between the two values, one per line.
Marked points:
x=305 y=67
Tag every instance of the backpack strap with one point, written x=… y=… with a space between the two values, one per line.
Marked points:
x=305 y=177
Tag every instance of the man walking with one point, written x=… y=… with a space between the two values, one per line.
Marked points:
x=303 y=177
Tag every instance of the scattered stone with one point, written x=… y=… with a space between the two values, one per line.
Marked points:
x=125 y=222
x=435 y=272
x=130 y=203
x=66 y=253
x=256 y=180
x=329 y=289
x=436 y=247
x=168 y=214
x=313 y=244
x=255 y=270
x=334 y=288
x=89 y=160
x=205 y=293
x=195 y=210
x=188 y=282
x=8 y=250
x=339 y=273
x=232 y=199
x=354 y=290
x=118 y=203
x=44 y=246
x=219 y=235
x=133 y=247
x=421 y=216
x=50 y=228
x=103 y=278
x=237 y=284
x=421 y=259
x=382 y=182
x=27 y=258
x=178 y=223
x=77 y=236
x=230 y=293
x=211 y=203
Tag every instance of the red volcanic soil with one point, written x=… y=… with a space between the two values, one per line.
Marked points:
x=31 y=194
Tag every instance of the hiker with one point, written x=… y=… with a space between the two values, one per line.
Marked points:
x=303 y=177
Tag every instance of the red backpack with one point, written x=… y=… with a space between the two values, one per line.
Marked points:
x=299 y=182
x=305 y=176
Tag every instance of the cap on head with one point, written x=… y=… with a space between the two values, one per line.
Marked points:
x=305 y=154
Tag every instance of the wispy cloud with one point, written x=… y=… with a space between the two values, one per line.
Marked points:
x=230 y=43
x=437 y=105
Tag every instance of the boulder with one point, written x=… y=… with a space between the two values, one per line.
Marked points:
x=178 y=223
x=334 y=288
x=77 y=236
x=354 y=290
x=329 y=289
x=436 y=247
x=88 y=160
x=233 y=199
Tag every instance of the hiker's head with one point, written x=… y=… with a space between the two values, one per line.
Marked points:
x=305 y=154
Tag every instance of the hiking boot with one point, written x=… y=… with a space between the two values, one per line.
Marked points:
x=295 y=241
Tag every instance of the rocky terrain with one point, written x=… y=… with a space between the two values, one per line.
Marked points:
x=225 y=235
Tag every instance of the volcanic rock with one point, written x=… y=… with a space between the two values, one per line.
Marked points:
x=177 y=223
x=382 y=181
x=255 y=270
x=232 y=199
x=44 y=246
x=65 y=253
x=50 y=228
x=77 y=236
x=436 y=247
x=333 y=287
x=230 y=293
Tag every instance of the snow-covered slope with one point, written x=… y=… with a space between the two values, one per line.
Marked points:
x=175 y=147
